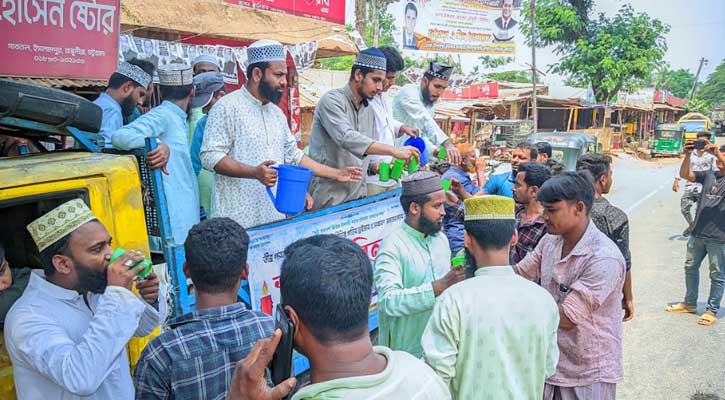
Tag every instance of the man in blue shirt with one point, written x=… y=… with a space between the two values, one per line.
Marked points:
x=126 y=90
x=452 y=224
x=167 y=122
x=503 y=184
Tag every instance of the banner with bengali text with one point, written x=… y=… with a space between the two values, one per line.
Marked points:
x=457 y=26
x=59 y=38
x=324 y=10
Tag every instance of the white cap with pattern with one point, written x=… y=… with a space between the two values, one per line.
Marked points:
x=266 y=51
x=135 y=73
x=176 y=75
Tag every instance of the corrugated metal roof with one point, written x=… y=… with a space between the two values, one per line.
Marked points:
x=59 y=82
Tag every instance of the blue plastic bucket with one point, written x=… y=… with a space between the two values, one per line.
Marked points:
x=292 y=183
x=419 y=144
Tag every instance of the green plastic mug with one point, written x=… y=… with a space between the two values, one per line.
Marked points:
x=397 y=170
x=446 y=184
x=144 y=272
x=384 y=172
x=442 y=153
x=458 y=261
x=413 y=165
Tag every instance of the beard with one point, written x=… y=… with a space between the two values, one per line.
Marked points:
x=426 y=97
x=91 y=279
x=127 y=106
x=269 y=93
x=428 y=226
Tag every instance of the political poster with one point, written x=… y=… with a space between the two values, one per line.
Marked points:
x=367 y=225
x=59 y=38
x=470 y=26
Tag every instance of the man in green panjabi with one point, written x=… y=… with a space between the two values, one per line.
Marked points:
x=493 y=336
x=413 y=266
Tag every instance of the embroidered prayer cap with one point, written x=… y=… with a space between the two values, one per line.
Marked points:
x=489 y=208
x=266 y=51
x=135 y=73
x=207 y=59
x=206 y=84
x=59 y=222
x=439 y=70
x=176 y=75
x=420 y=183
x=371 y=58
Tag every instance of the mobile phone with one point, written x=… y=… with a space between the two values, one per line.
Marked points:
x=699 y=144
x=281 y=367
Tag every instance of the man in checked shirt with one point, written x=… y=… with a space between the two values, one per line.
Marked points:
x=529 y=221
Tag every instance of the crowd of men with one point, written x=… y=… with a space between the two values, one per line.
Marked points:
x=536 y=311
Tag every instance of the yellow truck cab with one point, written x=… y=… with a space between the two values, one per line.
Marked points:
x=33 y=184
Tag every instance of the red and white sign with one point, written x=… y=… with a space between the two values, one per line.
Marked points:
x=325 y=10
x=59 y=38
x=487 y=90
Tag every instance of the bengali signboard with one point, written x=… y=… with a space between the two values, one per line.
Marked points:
x=367 y=225
x=459 y=26
x=488 y=90
x=59 y=38
x=325 y=10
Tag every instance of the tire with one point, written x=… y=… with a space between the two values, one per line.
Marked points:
x=48 y=106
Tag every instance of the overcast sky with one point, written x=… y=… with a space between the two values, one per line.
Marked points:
x=697 y=30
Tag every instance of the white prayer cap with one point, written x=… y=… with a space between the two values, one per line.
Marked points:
x=175 y=75
x=59 y=223
x=207 y=59
x=266 y=51
x=135 y=73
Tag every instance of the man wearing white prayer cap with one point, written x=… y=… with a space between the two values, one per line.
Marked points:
x=126 y=90
x=205 y=63
x=167 y=122
x=247 y=133
x=67 y=334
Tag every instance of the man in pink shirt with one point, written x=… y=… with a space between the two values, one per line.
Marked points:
x=584 y=272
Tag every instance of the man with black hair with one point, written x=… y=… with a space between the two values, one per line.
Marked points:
x=544 y=151
x=386 y=128
x=554 y=166
x=126 y=90
x=503 y=184
x=708 y=236
x=168 y=123
x=413 y=266
x=530 y=223
x=611 y=220
x=67 y=334
x=196 y=356
x=331 y=330
x=410 y=19
x=414 y=106
x=247 y=133
x=584 y=271
x=343 y=130
x=700 y=161
x=494 y=335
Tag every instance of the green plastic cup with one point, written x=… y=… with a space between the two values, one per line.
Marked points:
x=413 y=165
x=446 y=184
x=397 y=170
x=144 y=272
x=458 y=261
x=442 y=153
x=384 y=172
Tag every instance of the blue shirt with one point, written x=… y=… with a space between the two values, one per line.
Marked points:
x=196 y=141
x=112 y=117
x=195 y=358
x=167 y=122
x=453 y=225
x=501 y=184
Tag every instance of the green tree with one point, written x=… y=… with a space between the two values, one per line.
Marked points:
x=712 y=92
x=678 y=82
x=609 y=53
x=494 y=62
x=510 y=76
x=697 y=105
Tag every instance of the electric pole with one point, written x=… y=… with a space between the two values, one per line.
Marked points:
x=534 y=110
x=697 y=77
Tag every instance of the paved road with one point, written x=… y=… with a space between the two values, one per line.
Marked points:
x=666 y=356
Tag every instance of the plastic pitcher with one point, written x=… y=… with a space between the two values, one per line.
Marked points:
x=419 y=144
x=292 y=183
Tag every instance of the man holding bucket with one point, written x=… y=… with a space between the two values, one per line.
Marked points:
x=342 y=129
x=246 y=134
